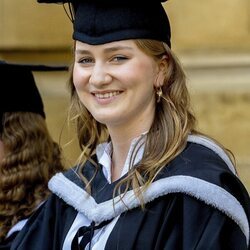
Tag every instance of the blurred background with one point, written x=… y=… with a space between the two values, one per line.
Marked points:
x=211 y=39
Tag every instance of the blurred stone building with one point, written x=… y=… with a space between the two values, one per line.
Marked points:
x=211 y=38
x=197 y=25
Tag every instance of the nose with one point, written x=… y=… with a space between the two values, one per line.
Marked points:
x=99 y=75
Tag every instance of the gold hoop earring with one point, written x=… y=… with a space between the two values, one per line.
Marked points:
x=159 y=94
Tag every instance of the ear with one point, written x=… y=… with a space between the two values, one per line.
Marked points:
x=162 y=66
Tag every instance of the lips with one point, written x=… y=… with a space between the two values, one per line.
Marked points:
x=106 y=95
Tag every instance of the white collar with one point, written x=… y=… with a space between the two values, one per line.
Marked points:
x=104 y=152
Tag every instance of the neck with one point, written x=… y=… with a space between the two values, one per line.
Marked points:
x=122 y=136
x=120 y=151
x=121 y=146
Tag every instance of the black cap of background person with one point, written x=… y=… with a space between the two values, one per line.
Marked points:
x=18 y=90
x=102 y=21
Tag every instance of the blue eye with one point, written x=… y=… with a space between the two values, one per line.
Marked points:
x=86 y=61
x=119 y=58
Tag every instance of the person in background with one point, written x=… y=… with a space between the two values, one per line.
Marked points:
x=28 y=155
x=146 y=179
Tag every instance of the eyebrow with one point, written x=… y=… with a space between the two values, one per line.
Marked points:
x=82 y=51
x=112 y=49
x=106 y=50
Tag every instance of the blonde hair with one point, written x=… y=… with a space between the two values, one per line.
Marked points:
x=31 y=158
x=167 y=137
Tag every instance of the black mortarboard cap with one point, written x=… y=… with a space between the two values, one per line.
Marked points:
x=100 y=21
x=18 y=90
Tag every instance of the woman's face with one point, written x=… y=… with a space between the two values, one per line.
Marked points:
x=115 y=82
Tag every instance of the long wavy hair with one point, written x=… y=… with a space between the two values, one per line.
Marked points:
x=31 y=158
x=167 y=137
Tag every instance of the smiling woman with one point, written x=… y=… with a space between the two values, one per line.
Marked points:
x=114 y=82
x=146 y=178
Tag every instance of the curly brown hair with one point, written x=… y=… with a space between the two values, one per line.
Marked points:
x=31 y=158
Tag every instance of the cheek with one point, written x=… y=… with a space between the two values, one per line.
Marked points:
x=147 y=69
x=134 y=73
x=79 y=79
x=76 y=78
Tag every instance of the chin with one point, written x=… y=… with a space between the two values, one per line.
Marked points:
x=108 y=121
x=102 y=119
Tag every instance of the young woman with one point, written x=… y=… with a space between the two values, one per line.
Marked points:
x=28 y=155
x=146 y=178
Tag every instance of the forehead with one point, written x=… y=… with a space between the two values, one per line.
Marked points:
x=123 y=45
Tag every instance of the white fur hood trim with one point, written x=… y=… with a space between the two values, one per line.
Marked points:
x=207 y=192
x=209 y=143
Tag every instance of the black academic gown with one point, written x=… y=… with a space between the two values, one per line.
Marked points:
x=6 y=244
x=196 y=202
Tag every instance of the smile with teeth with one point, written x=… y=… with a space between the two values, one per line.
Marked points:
x=107 y=95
